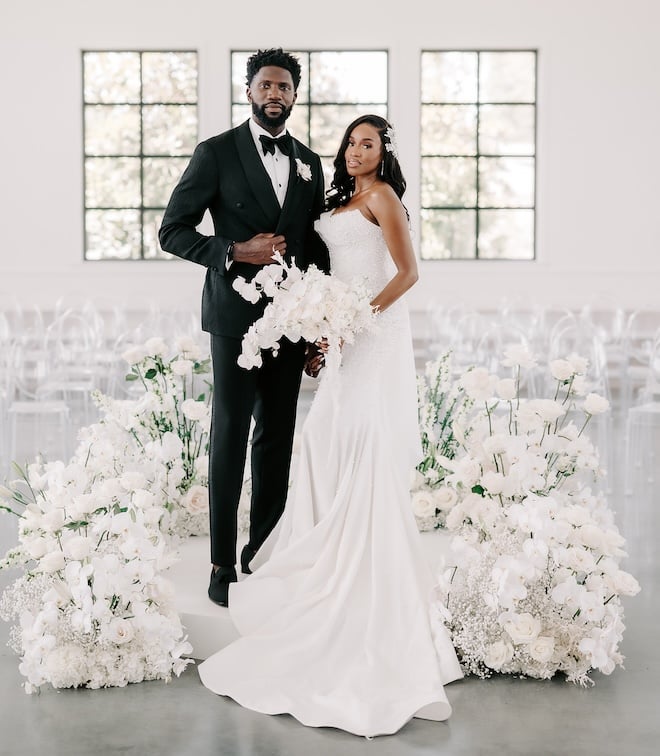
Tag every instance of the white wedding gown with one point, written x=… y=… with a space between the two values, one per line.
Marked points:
x=335 y=625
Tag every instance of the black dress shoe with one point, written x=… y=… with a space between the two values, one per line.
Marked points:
x=247 y=555
x=219 y=584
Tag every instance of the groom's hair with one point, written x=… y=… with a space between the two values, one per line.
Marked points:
x=274 y=56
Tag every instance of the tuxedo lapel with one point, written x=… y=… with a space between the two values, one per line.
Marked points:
x=293 y=191
x=258 y=179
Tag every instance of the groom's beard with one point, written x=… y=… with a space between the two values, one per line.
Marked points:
x=270 y=121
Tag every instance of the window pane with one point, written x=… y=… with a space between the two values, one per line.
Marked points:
x=506 y=182
x=160 y=177
x=449 y=130
x=112 y=182
x=240 y=113
x=506 y=129
x=448 y=234
x=449 y=77
x=348 y=77
x=112 y=130
x=151 y=220
x=111 y=76
x=169 y=129
x=449 y=182
x=507 y=77
x=329 y=123
x=506 y=234
x=298 y=122
x=112 y=234
x=169 y=77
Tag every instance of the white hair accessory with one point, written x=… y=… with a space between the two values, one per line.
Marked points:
x=389 y=139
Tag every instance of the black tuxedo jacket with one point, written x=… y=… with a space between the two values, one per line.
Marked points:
x=226 y=176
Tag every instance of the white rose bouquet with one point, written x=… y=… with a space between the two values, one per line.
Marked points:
x=309 y=305
x=535 y=583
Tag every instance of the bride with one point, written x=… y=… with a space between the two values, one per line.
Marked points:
x=335 y=625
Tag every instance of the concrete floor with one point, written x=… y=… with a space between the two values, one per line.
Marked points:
x=619 y=716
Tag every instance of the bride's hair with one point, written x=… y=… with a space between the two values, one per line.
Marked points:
x=342 y=185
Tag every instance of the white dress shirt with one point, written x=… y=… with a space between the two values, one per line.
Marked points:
x=276 y=165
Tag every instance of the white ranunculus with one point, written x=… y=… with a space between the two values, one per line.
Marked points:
x=580 y=385
x=522 y=628
x=498 y=654
x=478 y=383
x=36 y=547
x=156 y=346
x=188 y=347
x=423 y=504
x=505 y=388
x=518 y=354
x=580 y=560
x=194 y=410
x=542 y=648
x=561 y=370
x=182 y=367
x=594 y=404
x=143 y=499
x=580 y=364
x=590 y=536
x=171 y=445
x=196 y=500
x=135 y=354
x=493 y=482
x=52 y=562
x=444 y=498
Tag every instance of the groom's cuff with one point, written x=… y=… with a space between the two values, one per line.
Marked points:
x=229 y=255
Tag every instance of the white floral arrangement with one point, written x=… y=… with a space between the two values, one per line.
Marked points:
x=442 y=405
x=93 y=607
x=533 y=585
x=309 y=305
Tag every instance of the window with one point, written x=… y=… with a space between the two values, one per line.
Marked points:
x=335 y=88
x=139 y=131
x=478 y=146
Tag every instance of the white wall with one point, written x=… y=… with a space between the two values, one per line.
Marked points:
x=598 y=132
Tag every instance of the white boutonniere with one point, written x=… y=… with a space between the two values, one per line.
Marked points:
x=304 y=170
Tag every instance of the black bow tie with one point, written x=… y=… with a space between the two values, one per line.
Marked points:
x=268 y=144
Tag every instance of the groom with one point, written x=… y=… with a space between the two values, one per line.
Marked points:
x=264 y=190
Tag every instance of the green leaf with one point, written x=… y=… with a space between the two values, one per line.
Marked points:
x=131 y=377
x=151 y=373
x=477 y=489
x=201 y=397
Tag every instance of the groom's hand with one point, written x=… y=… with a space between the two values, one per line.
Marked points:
x=259 y=250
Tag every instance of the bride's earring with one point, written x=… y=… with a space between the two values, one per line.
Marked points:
x=382 y=167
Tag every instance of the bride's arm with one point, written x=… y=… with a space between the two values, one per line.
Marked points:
x=391 y=216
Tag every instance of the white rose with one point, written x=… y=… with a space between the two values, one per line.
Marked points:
x=143 y=499
x=134 y=354
x=522 y=628
x=155 y=346
x=120 y=631
x=493 y=482
x=202 y=465
x=580 y=385
x=478 y=383
x=182 y=367
x=498 y=654
x=444 y=498
x=518 y=354
x=194 y=410
x=542 y=648
x=196 y=500
x=423 y=504
x=506 y=389
x=77 y=547
x=171 y=445
x=188 y=346
x=580 y=364
x=561 y=370
x=52 y=562
x=590 y=536
x=594 y=404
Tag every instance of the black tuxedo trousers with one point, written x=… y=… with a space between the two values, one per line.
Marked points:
x=270 y=395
